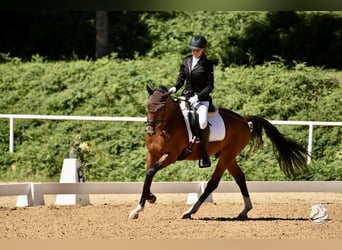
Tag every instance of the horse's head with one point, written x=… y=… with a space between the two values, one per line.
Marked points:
x=156 y=106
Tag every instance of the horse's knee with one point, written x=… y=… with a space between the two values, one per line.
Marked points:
x=151 y=172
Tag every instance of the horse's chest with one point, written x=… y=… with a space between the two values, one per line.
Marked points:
x=158 y=143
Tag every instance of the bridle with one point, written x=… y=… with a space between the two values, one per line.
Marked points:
x=153 y=123
x=157 y=103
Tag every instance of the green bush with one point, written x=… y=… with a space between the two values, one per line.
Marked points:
x=235 y=37
x=116 y=87
x=251 y=37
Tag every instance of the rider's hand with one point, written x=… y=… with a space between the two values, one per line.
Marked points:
x=173 y=90
x=193 y=99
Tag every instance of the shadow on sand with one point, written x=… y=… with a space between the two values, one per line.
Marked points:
x=252 y=219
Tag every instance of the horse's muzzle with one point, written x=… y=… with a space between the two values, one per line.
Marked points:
x=150 y=130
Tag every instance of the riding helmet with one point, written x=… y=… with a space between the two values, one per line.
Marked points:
x=198 y=42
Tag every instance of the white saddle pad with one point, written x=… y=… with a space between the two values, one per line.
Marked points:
x=215 y=122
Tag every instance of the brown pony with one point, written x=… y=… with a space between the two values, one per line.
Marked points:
x=167 y=137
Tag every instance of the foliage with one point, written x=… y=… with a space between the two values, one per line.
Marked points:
x=127 y=35
x=311 y=37
x=79 y=150
x=171 y=32
x=116 y=87
x=54 y=34
x=250 y=38
x=235 y=37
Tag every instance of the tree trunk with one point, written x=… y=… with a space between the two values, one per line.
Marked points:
x=102 y=42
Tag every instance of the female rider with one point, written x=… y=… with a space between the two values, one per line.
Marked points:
x=198 y=73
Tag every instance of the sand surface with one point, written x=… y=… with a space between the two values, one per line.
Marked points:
x=274 y=216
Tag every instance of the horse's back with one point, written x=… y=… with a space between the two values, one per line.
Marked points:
x=237 y=129
x=228 y=114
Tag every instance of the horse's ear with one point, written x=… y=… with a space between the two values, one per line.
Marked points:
x=149 y=90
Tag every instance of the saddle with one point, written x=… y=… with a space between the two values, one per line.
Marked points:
x=193 y=118
x=215 y=123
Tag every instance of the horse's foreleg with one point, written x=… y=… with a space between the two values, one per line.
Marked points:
x=240 y=179
x=134 y=214
x=146 y=193
x=211 y=186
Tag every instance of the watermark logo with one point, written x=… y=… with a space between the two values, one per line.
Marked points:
x=318 y=214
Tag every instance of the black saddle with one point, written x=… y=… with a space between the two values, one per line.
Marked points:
x=194 y=124
x=193 y=118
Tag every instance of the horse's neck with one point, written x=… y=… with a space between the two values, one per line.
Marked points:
x=173 y=114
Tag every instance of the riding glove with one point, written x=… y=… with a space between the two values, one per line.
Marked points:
x=193 y=99
x=173 y=90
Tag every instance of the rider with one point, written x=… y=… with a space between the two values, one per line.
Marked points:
x=198 y=72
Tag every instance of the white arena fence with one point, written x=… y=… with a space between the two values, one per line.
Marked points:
x=35 y=191
x=11 y=118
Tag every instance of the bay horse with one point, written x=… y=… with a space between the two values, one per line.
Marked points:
x=167 y=137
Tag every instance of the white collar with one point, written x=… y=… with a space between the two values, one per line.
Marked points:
x=194 y=61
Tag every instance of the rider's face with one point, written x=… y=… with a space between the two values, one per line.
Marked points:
x=197 y=52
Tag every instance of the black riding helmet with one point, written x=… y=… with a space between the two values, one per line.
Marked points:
x=198 y=42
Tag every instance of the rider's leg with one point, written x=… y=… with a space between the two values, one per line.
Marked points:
x=204 y=132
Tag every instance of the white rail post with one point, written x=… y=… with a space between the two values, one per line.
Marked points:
x=70 y=175
x=26 y=200
x=193 y=197
x=310 y=143
x=11 y=137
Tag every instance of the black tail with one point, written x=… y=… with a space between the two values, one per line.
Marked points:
x=290 y=155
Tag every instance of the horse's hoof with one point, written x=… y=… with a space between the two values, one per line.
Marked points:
x=153 y=199
x=186 y=216
x=133 y=215
x=242 y=217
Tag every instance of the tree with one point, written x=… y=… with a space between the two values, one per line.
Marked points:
x=102 y=41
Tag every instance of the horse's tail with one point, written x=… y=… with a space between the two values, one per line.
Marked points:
x=290 y=155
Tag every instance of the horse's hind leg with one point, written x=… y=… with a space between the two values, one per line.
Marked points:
x=240 y=179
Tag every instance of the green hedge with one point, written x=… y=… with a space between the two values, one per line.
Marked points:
x=251 y=37
x=235 y=37
x=115 y=87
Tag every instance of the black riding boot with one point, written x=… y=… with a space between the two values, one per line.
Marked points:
x=204 y=136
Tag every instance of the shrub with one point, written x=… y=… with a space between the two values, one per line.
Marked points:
x=116 y=87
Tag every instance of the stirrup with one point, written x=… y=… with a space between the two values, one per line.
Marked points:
x=205 y=164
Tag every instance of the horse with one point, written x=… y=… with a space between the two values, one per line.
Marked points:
x=167 y=137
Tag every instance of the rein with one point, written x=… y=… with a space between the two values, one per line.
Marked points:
x=154 y=123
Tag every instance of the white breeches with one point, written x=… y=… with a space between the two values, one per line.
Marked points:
x=202 y=111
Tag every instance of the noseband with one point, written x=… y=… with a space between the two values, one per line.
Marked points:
x=154 y=123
